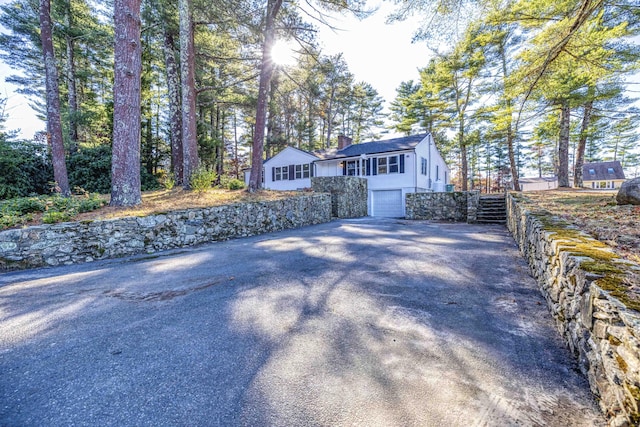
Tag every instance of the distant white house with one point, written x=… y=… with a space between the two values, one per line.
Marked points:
x=603 y=175
x=537 y=184
x=392 y=167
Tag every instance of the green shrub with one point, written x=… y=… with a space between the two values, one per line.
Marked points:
x=90 y=203
x=25 y=168
x=235 y=184
x=11 y=220
x=52 y=217
x=59 y=203
x=148 y=181
x=90 y=168
x=168 y=181
x=202 y=179
x=56 y=208
x=25 y=205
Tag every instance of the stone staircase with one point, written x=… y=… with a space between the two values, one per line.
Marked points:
x=492 y=209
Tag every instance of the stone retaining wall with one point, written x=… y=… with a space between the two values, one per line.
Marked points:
x=348 y=194
x=452 y=206
x=589 y=291
x=70 y=243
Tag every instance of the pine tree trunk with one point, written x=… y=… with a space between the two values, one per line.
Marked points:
x=329 y=116
x=235 y=146
x=464 y=168
x=310 y=125
x=125 y=167
x=510 y=134
x=512 y=159
x=266 y=71
x=187 y=85
x=175 y=110
x=563 y=145
x=72 y=97
x=71 y=82
x=148 y=144
x=220 y=159
x=582 y=145
x=54 y=124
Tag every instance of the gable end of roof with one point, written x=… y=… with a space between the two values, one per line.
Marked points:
x=602 y=171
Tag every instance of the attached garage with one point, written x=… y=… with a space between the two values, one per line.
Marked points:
x=387 y=203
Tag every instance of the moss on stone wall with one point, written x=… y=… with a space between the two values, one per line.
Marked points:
x=590 y=291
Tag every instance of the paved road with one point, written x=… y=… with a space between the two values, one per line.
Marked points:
x=360 y=322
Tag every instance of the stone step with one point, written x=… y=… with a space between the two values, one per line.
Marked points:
x=492 y=210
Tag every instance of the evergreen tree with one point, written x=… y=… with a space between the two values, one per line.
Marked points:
x=125 y=168
x=54 y=123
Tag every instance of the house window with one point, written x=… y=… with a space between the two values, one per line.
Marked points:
x=423 y=168
x=298 y=171
x=278 y=174
x=603 y=184
x=592 y=171
x=393 y=164
x=353 y=168
x=386 y=165
x=306 y=170
x=610 y=170
x=382 y=165
x=285 y=173
x=437 y=172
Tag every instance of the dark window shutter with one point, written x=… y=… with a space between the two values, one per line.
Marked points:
x=344 y=168
x=374 y=165
x=367 y=165
x=292 y=172
x=273 y=174
x=311 y=170
x=401 y=163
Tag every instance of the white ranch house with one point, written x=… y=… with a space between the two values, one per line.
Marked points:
x=392 y=167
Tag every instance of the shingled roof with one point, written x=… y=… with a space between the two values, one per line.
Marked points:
x=374 y=147
x=602 y=171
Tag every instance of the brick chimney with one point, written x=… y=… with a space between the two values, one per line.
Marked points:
x=343 y=141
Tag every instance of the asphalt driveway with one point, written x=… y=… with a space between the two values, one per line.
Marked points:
x=356 y=322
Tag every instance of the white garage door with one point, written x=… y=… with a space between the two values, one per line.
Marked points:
x=387 y=203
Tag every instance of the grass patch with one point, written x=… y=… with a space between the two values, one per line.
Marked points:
x=595 y=213
x=592 y=226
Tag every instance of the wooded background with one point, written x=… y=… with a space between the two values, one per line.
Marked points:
x=151 y=91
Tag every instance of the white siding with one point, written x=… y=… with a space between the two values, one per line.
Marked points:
x=400 y=184
x=387 y=181
x=536 y=185
x=284 y=159
x=438 y=173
